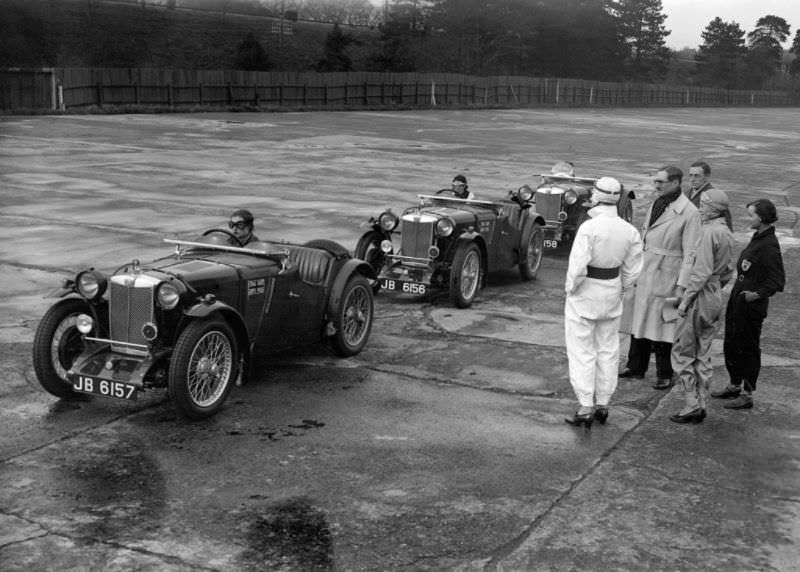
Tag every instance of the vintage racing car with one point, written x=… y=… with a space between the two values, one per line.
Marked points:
x=561 y=199
x=195 y=320
x=453 y=243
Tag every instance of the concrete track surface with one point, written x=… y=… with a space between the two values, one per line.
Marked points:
x=442 y=446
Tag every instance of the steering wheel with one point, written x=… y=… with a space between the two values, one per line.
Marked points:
x=449 y=191
x=227 y=233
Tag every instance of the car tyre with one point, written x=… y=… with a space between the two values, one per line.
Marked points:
x=57 y=344
x=203 y=368
x=353 y=320
x=625 y=209
x=465 y=275
x=530 y=265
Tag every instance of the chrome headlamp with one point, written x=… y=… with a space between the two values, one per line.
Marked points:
x=91 y=284
x=444 y=227
x=525 y=193
x=169 y=294
x=570 y=197
x=388 y=221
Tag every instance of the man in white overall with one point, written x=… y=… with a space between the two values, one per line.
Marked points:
x=606 y=258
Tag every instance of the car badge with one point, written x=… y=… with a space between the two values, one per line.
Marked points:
x=746 y=265
x=109 y=365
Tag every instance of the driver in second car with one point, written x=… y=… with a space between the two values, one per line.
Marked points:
x=241 y=225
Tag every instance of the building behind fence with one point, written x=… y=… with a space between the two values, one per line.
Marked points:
x=59 y=89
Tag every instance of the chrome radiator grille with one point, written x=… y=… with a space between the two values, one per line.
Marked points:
x=417 y=233
x=548 y=203
x=130 y=307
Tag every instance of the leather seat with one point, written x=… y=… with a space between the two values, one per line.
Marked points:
x=312 y=264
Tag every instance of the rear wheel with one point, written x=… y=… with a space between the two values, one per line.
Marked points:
x=530 y=265
x=203 y=368
x=465 y=275
x=57 y=344
x=353 y=321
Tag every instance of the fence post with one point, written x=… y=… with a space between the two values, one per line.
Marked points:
x=280 y=95
x=325 y=94
x=346 y=94
x=366 y=93
x=433 y=93
x=305 y=94
x=100 y=93
x=383 y=93
x=230 y=94
x=136 y=93
x=169 y=94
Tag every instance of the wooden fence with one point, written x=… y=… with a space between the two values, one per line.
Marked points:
x=75 y=88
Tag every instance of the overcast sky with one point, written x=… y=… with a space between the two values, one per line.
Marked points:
x=688 y=18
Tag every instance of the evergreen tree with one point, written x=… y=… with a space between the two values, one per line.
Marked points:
x=641 y=27
x=719 y=61
x=250 y=55
x=765 y=53
x=794 y=67
x=335 y=51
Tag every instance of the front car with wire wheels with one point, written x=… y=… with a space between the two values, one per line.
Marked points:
x=192 y=322
x=425 y=247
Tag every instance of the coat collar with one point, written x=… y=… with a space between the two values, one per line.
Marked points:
x=674 y=209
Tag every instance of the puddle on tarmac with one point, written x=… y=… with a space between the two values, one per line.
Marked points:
x=117 y=491
x=291 y=535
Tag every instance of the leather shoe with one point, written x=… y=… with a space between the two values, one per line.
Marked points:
x=601 y=415
x=741 y=402
x=694 y=416
x=581 y=419
x=628 y=372
x=728 y=392
x=663 y=383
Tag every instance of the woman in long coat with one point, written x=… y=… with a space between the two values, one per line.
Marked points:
x=671 y=229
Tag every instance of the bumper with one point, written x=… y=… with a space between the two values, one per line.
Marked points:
x=101 y=363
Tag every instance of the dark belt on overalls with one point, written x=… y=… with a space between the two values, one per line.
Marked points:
x=602 y=273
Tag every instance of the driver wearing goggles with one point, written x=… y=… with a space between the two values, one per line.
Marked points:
x=241 y=225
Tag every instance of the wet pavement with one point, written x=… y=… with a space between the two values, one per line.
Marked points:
x=442 y=446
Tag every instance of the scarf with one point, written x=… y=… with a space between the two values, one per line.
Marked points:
x=661 y=203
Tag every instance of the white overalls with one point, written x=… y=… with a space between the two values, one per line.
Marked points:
x=604 y=245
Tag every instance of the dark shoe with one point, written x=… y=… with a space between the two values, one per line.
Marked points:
x=663 y=383
x=694 y=416
x=581 y=419
x=741 y=402
x=601 y=414
x=728 y=392
x=628 y=372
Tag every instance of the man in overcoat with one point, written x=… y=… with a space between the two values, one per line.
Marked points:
x=670 y=232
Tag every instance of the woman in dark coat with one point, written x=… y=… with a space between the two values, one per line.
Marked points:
x=759 y=275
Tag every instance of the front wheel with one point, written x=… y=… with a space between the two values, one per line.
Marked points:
x=465 y=275
x=203 y=368
x=353 y=321
x=530 y=265
x=57 y=345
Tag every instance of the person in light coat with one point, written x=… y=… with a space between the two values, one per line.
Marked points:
x=605 y=259
x=669 y=234
x=700 y=307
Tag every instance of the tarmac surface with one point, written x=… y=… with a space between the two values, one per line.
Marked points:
x=442 y=446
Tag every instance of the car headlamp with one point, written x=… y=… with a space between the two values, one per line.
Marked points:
x=444 y=227
x=388 y=221
x=525 y=193
x=85 y=324
x=570 y=197
x=91 y=284
x=168 y=295
x=386 y=246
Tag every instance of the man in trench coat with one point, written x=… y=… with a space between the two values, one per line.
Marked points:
x=670 y=232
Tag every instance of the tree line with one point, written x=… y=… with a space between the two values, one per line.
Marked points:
x=602 y=40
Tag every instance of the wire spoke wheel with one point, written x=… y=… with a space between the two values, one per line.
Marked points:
x=353 y=322
x=209 y=367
